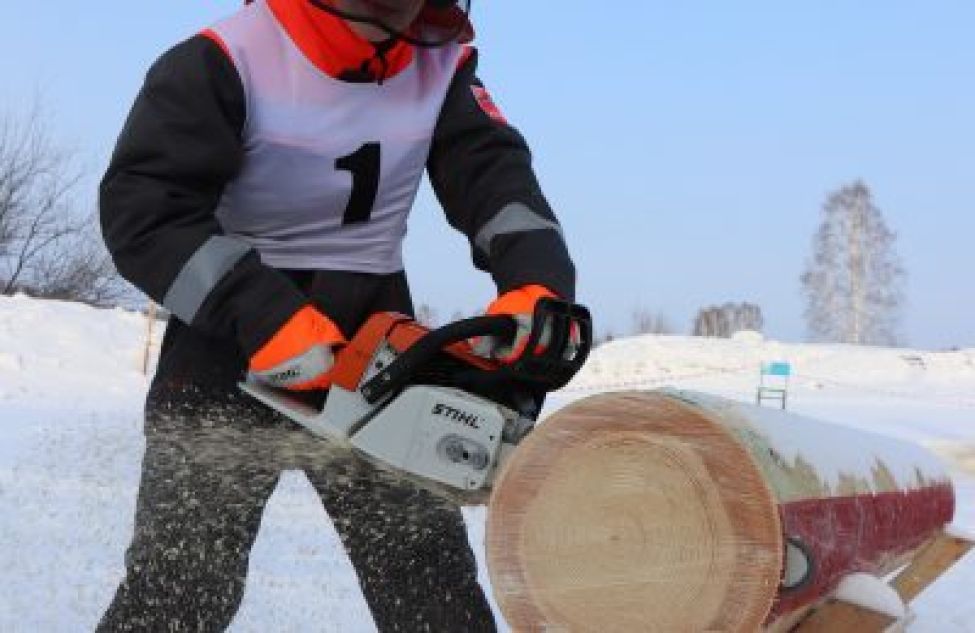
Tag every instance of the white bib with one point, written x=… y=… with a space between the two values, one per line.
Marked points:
x=331 y=168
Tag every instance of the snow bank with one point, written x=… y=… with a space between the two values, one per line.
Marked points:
x=654 y=360
x=82 y=353
x=71 y=391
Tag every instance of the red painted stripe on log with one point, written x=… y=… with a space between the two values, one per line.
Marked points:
x=860 y=533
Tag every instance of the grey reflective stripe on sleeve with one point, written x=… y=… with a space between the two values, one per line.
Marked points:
x=202 y=273
x=514 y=218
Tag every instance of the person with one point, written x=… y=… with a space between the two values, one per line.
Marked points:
x=259 y=190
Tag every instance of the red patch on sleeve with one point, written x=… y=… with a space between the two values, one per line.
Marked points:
x=484 y=100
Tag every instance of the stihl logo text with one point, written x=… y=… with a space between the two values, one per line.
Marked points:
x=467 y=419
x=286 y=375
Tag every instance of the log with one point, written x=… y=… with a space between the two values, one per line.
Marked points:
x=678 y=511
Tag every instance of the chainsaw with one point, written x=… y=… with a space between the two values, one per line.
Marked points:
x=421 y=403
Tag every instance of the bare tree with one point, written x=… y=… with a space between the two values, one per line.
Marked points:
x=724 y=320
x=426 y=315
x=457 y=316
x=46 y=249
x=646 y=321
x=33 y=197
x=853 y=283
x=81 y=269
x=747 y=316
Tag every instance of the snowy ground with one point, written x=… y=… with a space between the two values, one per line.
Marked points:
x=71 y=392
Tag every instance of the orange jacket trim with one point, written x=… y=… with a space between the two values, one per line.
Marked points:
x=212 y=35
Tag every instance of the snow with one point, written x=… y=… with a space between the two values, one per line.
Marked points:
x=833 y=448
x=71 y=396
x=872 y=593
x=748 y=336
x=958 y=532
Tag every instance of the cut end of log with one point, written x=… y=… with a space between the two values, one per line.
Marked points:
x=615 y=515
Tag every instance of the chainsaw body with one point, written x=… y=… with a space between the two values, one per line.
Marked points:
x=422 y=403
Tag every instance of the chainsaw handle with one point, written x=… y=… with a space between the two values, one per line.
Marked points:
x=399 y=372
x=568 y=328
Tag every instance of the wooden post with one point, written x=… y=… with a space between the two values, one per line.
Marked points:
x=147 y=351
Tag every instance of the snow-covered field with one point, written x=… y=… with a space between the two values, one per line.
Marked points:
x=71 y=391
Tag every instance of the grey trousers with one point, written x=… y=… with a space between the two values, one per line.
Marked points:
x=206 y=478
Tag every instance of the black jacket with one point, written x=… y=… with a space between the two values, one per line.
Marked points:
x=181 y=145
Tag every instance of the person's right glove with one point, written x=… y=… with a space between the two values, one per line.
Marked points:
x=299 y=356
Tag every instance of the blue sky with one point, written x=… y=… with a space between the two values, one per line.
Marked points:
x=687 y=147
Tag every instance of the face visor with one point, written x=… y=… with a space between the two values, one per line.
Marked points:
x=440 y=22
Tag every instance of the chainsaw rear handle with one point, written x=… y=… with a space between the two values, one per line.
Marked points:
x=552 y=367
x=549 y=370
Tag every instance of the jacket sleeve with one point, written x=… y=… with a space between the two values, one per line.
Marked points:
x=480 y=168
x=180 y=146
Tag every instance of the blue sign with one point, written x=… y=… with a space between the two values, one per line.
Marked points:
x=777 y=369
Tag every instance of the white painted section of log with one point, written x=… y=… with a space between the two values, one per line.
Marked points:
x=831 y=448
x=871 y=593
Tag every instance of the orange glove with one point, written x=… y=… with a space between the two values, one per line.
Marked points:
x=299 y=356
x=520 y=304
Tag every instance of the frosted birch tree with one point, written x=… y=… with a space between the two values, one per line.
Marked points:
x=853 y=283
x=724 y=320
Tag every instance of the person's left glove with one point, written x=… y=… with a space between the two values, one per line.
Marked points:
x=299 y=357
x=520 y=305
